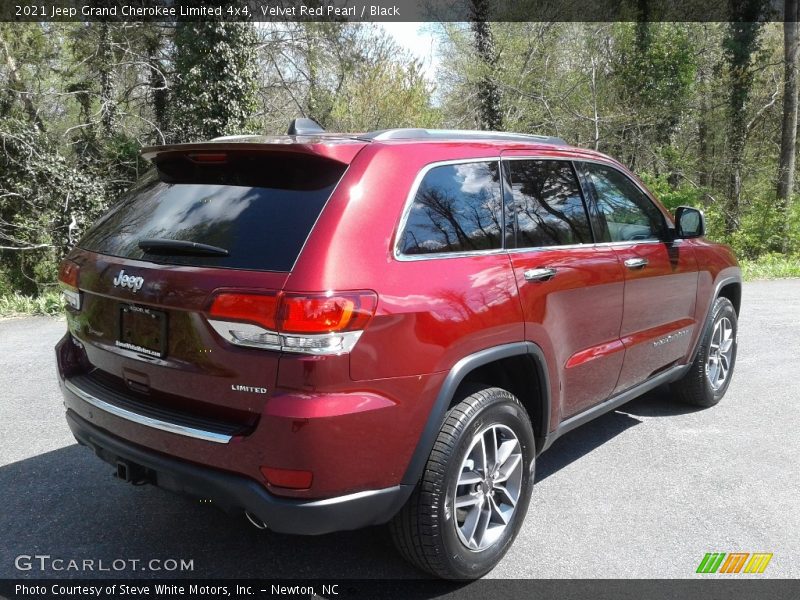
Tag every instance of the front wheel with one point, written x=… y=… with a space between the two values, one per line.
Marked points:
x=473 y=496
x=709 y=376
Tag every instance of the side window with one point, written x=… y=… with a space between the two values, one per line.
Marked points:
x=628 y=212
x=547 y=204
x=457 y=208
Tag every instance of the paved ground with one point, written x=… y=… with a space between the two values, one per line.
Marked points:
x=644 y=491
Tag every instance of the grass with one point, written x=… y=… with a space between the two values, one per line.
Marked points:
x=769 y=266
x=16 y=305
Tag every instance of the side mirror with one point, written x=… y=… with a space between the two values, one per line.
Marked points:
x=689 y=222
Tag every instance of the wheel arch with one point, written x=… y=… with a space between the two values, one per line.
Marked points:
x=519 y=365
x=729 y=287
x=732 y=290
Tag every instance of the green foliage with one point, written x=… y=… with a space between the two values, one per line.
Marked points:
x=78 y=100
x=694 y=107
x=658 y=63
x=215 y=89
x=771 y=266
x=46 y=201
x=15 y=304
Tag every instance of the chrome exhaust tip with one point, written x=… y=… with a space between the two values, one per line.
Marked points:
x=255 y=521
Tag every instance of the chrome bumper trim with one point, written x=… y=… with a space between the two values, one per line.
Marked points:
x=200 y=434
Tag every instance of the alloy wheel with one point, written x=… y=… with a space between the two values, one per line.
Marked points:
x=720 y=353
x=488 y=488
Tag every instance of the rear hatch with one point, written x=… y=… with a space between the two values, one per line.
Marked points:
x=210 y=217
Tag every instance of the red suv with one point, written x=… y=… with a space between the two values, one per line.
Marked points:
x=329 y=331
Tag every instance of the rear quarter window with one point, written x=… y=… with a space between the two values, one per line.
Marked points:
x=456 y=208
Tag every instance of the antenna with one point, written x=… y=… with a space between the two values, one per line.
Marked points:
x=304 y=126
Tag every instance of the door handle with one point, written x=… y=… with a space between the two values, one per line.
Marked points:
x=540 y=274
x=636 y=263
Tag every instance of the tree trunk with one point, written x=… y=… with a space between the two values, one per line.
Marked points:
x=158 y=87
x=703 y=158
x=490 y=116
x=741 y=44
x=789 y=123
x=108 y=108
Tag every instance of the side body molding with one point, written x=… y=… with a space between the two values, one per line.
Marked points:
x=457 y=374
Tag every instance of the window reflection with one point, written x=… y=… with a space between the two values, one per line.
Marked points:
x=547 y=204
x=457 y=208
x=628 y=213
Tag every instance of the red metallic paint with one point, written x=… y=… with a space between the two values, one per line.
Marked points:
x=354 y=421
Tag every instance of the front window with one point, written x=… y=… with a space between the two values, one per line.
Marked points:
x=628 y=213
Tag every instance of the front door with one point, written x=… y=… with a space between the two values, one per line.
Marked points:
x=660 y=275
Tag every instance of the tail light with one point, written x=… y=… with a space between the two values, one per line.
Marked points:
x=68 y=275
x=329 y=323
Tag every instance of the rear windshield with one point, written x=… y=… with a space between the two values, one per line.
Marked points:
x=262 y=227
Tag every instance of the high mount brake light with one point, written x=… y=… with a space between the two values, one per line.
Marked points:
x=68 y=276
x=216 y=158
x=328 y=323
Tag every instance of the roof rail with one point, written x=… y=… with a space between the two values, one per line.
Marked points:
x=459 y=134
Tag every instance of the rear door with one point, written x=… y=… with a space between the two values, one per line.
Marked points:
x=199 y=224
x=571 y=290
x=660 y=274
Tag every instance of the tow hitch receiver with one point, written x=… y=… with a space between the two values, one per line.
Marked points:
x=132 y=473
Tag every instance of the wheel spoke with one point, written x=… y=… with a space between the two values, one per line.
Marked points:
x=504 y=516
x=505 y=450
x=490 y=439
x=470 y=478
x=508 y=469
x=482 y=524
x=471 y=524
x=484 y=465
x=467 y=500
x=712 y=369
x=507 y=497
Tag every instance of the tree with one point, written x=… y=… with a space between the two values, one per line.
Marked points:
x=741 y=43
x=789 y=121
x=215 y=88
x=490 y=116
x=348 y=77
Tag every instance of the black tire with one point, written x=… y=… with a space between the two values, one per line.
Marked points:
x=426 y=529
x=695 y=387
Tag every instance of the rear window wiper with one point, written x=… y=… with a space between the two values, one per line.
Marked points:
x=163 y=246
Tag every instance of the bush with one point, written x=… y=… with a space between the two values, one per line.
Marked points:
x=12 y=305
x=763 y=228
x=771 y=266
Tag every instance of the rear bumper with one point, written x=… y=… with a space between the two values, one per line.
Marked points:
x=237 y=493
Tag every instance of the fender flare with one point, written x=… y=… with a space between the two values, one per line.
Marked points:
x=722 y=282
x=449 y=387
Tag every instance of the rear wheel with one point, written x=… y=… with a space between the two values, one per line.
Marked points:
x=475 y=491
x=709 y=376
